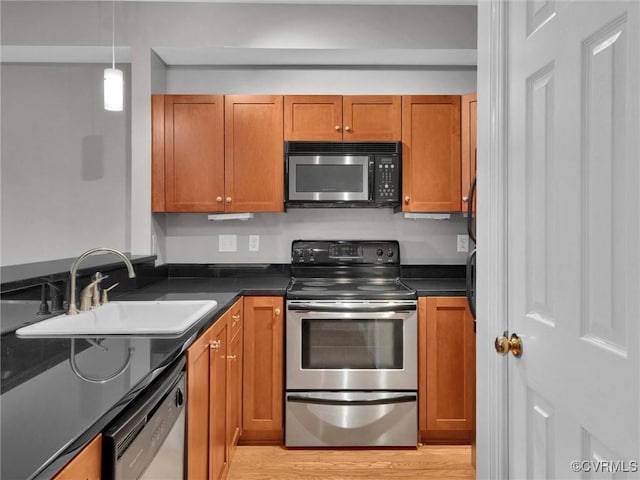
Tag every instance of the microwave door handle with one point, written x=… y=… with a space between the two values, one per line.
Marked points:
x=374 y=401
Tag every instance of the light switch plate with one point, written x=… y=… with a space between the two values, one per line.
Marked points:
x=227 y=243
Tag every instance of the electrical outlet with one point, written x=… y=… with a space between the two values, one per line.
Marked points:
x=463 y=243
x=254 y=243
x=227 y=243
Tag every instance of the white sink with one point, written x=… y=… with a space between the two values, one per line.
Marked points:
x=155 y=318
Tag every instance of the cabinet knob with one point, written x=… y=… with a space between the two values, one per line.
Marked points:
x=465 y=199
x=406 y=199
x=236 y=316
x=228 y=200
x=231 y=357
x=214 y=345
x=219 y=199
x=337 y=128
x=277 y=311
x=347 y=128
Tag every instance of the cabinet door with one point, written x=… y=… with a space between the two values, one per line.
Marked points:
x=198 y=407
x=86 y=465
x=469 y=109
x=254 y=153
x=234 y=389
x=218 y=460
x=313 y=117
x=263 y=370
x=193 y=152
x=431 y=153
x=446 y=370
x=372 y=118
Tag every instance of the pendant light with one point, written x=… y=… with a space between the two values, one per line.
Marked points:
x=113 y=78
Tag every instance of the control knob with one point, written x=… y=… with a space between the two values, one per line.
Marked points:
x=379 y=252
x=389 y=253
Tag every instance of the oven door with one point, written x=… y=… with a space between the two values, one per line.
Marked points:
x=355 y=345
x=328 y=178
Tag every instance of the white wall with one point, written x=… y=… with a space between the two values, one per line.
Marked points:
x=65 y=164
x=144 y=26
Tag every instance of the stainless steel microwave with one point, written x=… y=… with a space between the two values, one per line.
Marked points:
x=343 y=174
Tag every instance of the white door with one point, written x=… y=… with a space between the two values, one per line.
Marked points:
x=573 y=216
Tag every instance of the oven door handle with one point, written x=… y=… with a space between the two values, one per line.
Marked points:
x=309 y=307
x=410 y=397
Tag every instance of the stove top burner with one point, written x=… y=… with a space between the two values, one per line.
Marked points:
x=375 y=288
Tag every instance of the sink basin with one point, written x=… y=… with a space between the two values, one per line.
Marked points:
x=142 y=319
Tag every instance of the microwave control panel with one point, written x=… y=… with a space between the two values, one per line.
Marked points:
x=386 y=178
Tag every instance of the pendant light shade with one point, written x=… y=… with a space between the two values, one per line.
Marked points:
x=113 y=89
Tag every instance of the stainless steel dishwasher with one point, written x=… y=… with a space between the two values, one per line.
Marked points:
x=147 y=440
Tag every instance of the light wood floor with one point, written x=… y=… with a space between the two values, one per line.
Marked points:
x=427 y=462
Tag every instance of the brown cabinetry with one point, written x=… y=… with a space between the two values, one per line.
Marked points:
x=207 y=393
x=431 y=153
x=86 y=465
x=254 y=151
x=234 y=375
x=469 y=112
x=213 y=153
x=263 y=381
x=187 y=153
x=446 y=371
x=349 y=118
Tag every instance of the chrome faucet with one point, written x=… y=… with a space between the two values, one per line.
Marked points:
x=73 y=309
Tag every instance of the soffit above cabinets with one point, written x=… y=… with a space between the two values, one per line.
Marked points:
x=62 y=54
x=235 y=56
x=239 y=57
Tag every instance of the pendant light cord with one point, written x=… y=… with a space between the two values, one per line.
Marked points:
x=113 y=34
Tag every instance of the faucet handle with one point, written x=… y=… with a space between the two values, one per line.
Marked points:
x=97 y=278
x=105 y=298
x=87 y=294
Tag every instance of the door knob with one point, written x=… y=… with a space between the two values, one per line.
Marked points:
x=337 y=128
x=406 y=199
x=277 y=311
x=219 y=199
x=504 y=345
x=228 y=200
x=347 y=128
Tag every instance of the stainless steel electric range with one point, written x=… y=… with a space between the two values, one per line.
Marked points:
x=351 y=346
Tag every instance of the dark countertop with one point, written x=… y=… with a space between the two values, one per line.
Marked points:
x=437 y=287
x=48 y=416
x=49 y=413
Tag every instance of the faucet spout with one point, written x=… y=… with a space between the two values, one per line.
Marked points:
x=73 y=309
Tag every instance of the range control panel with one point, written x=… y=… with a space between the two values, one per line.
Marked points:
x=344 y=252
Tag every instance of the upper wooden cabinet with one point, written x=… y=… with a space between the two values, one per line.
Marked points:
x=254 y=153
x=214 y=154
x=86 y=465
x=352 y=118
x=187 y=153
x=446 y=370
x=431 y=153
x=469 y=111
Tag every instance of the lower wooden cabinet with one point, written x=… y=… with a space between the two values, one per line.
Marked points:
x=86 y=465
x=213 y=398
x=234 y=375
x=446 y=353
x=263 y=382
